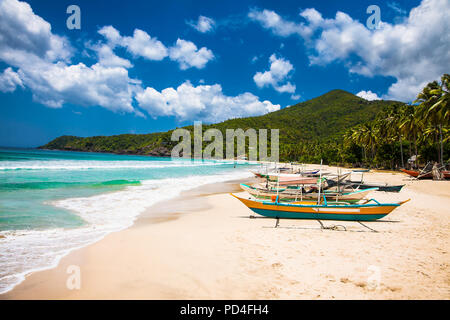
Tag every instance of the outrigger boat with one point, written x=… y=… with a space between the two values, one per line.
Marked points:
x=294 y=194
x=323 y=211
x=290 y=179
x=418 y=174
x=363 y=185
x=271 y=175
x=296 y=179
x=426 y=175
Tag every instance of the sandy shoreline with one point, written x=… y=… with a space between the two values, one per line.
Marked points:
x=208 y=248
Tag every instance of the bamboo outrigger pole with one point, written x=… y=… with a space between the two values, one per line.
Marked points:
x=278 y=186
x=320 y=182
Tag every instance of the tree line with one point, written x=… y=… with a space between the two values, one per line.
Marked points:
x=401 y=131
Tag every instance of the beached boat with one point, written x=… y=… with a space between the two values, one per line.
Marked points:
x=307 y=173
x=418 y=174
x=291 y=194
x=285 y=179
x=333 y=211
x=268 y=175
x=290 y=179
x=427 y=175
x=380 y=186
x=366 y=185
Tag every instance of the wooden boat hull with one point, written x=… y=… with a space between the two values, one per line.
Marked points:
x=363 y=212
x=416 y=174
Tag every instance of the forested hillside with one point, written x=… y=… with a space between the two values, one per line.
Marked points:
x=309 y=131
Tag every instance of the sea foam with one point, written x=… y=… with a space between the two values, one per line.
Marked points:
x=26 y=251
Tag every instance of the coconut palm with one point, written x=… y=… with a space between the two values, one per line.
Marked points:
x=410 y=126
x=442 y=109
x=432 y=109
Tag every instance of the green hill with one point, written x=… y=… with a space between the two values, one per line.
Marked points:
x=309 y=130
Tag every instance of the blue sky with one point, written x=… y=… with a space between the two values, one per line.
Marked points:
x=146 y=66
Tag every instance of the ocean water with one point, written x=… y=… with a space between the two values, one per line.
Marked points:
x=52 y=202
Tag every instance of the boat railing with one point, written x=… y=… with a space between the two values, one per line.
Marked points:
x=372 y=199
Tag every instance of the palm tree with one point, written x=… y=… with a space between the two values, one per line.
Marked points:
x=410 y=126
x=388 y=126
x=356 y=136
x=368 y=137
x=434 y=108
x=442 y=108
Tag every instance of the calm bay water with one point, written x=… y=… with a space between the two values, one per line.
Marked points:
x=52 y=202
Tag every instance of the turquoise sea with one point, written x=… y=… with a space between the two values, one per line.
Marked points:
x=52 y=202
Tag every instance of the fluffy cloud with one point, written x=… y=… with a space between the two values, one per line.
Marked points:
x=203 y=24
x=414 y=51
x=97 y=85
x=276 y=75
x=139 y=45
x=107 y=58
x=187 y=55
x=21 y=31
x=42 y=61
x=271 y=20
x=43 y=65
x=9 y=80
x=206 y=102
x=368 y=95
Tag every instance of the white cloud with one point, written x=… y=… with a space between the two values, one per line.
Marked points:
x=9 y=80
x=205 y=102
x=187 y=55
x=141 y=44
x=203 y=24
x=41 y=59
x=107 y=58
x=276 y=75
x=295 y=96
x=368 y=95
x=108 y=87
x=112 y=35
x=24 y=32
x=414 y=51
x=271 y=20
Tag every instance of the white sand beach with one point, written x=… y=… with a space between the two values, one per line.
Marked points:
x=203 y=245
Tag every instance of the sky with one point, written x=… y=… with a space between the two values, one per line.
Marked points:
x=149 y=66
